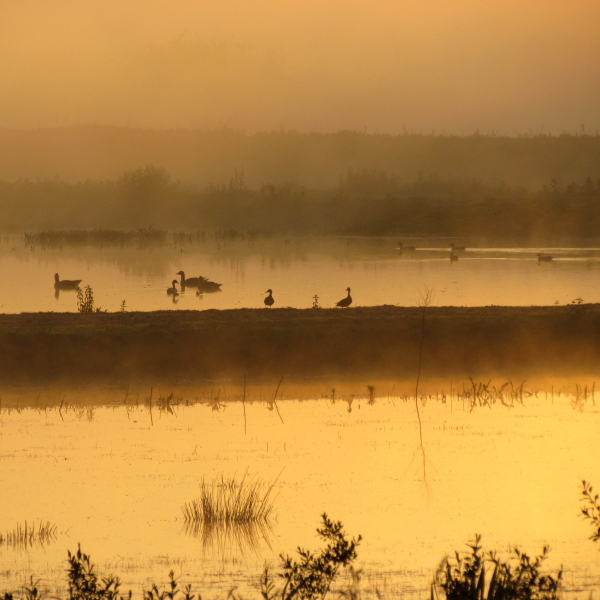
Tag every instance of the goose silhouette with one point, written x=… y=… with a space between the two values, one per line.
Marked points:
x=190 y=282
x=206 y=285
x=345 y=302
x=65 y=284
x=172 y=291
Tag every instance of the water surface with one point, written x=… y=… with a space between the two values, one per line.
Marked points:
x=114 y=479
x=296 y=269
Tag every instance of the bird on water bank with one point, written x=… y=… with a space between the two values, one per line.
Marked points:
x=172 y=291
x=65 y=284
x=345 y=302
x=543 y=257
x=269 y=300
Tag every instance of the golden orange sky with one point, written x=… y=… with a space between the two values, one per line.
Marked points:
x=509 y=66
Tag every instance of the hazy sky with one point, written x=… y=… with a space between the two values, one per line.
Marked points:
x=508 y=66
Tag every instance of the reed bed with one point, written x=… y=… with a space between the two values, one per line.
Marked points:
x=97 y=237
x=142 y=237
x=231 y=502
x=29 y=535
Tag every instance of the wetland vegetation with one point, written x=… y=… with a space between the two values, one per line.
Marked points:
x=530 y=190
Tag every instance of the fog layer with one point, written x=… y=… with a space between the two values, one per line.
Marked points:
x=511 y=66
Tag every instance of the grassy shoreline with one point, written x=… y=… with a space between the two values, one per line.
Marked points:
x=372 y=341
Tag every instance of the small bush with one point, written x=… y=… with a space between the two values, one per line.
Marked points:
x=311 y=577
x=85 y=302
x=83 y=582
x=519 y=578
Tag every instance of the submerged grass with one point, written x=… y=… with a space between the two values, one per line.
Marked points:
x=231 y=501
x=29 y=535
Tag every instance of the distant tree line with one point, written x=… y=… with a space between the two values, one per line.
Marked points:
x=364 y=202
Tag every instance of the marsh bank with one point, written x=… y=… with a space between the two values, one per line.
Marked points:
x=376 y=341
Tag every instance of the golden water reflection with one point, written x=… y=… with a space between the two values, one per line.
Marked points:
x=114 y=478
x=297 y=269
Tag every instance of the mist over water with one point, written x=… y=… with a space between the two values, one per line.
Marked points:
x=509 y=67
x=301 y=149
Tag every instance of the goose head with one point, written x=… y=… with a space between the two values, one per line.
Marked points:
x=268 y=292
x=56 y=277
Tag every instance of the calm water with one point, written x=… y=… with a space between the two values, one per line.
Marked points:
x=296 y=269
x=115 y=480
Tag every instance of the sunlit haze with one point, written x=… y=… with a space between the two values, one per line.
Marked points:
x=509 y=67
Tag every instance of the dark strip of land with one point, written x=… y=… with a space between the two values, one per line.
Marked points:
x=376 y=341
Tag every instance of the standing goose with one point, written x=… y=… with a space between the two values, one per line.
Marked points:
x=345 y=302
x=543 y=258
x=172 y=291
x=269 y=300
x=191 y=282
x=65 y=284
x=454 y=248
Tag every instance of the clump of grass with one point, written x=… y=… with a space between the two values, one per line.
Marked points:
x=231 y=501
x=485 y=394
x=29 y=535
x=591 y=510
x=231 y=512
x=371 y=390
x=519 y=578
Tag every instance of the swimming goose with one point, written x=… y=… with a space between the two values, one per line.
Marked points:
x=543 y=257
x=65 y=284
x=269 y=300
x=206 y=285
x=172 y=291
x=345 y=302
x=191 y=282
x=403 y=248
x=457 y=248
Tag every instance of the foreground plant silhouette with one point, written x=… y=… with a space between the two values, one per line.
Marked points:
x=592 y=509
x=463 y=577
x=83 y=581
x=311 y=577
x=85 y=303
